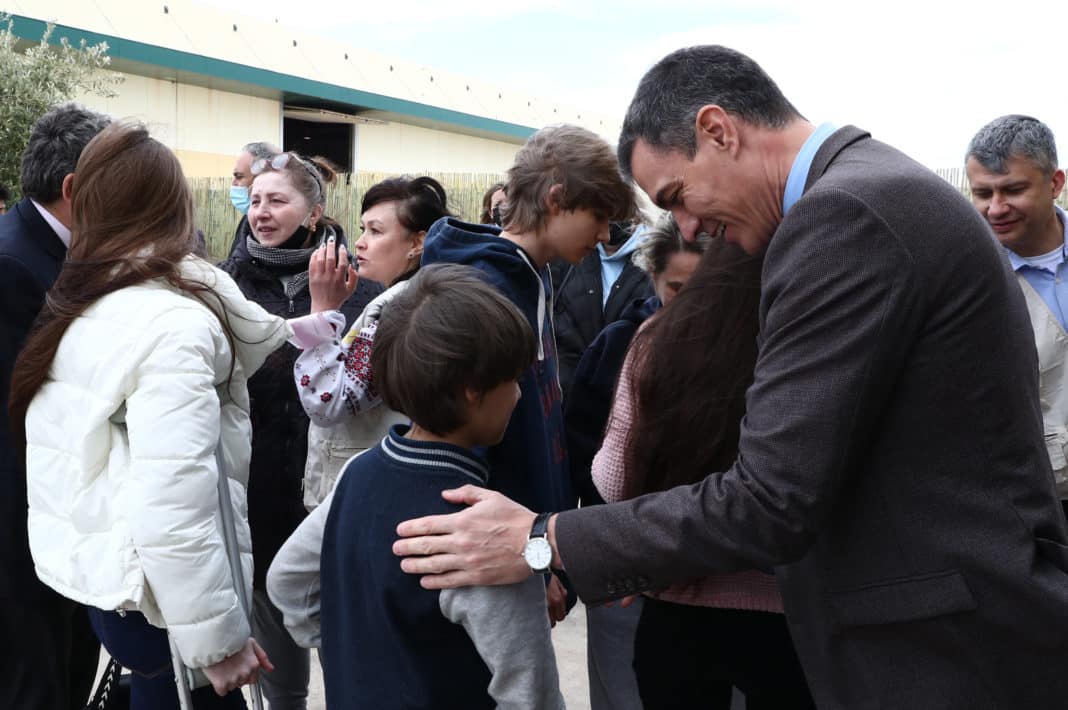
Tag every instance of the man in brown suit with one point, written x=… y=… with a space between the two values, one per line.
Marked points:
x=891 y=465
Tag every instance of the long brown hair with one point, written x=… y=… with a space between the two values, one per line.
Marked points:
x=132 y=215
x=692 y=365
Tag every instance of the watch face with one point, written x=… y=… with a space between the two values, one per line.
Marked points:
x=538 y=553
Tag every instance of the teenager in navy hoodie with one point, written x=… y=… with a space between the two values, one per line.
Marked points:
x=563 y=190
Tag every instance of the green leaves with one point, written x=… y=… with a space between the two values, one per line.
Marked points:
x=35 y=78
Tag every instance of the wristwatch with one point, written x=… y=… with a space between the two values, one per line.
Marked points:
x=538 y=553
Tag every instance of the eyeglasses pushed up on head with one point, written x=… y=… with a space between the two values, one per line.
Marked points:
x=280 y=161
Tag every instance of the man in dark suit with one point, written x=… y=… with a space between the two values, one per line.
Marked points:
x=49 y=654
x=891 y=464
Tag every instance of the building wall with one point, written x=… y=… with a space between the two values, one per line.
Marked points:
x=205 y=127
x=401 y=148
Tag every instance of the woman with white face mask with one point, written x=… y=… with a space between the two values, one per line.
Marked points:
x=286 y=227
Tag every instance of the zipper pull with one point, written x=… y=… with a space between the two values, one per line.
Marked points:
x=292 y=310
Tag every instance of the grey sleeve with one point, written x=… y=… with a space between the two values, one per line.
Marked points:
x=509 y=626
x=293 y=581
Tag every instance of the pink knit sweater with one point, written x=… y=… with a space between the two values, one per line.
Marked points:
x=751 y=589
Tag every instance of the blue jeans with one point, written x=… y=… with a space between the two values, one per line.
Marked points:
x=144 y=649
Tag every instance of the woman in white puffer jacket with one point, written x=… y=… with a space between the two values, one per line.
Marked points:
x=133 y=377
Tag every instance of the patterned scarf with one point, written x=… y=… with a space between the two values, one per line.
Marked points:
x=288 y=261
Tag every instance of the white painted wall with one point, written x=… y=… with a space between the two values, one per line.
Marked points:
x=401 y=148
x=205 y=127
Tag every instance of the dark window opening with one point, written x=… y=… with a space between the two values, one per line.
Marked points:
x=330 y=140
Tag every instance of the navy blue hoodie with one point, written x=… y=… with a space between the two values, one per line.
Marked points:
x=530 y=463
x=592 y=391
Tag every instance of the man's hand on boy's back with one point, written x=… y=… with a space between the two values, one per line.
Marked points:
x=480 y=545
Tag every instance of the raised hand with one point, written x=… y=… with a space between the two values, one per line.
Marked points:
x=331 y=278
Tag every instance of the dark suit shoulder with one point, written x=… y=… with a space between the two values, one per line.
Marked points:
x=26 y=240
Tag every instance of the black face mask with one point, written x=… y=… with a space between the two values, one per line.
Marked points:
x=619 y=233
x=297 y=240
x=496 y=214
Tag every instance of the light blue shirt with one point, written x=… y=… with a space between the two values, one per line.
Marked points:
x=1050 y=279
x=612 y=266
x=795 y=181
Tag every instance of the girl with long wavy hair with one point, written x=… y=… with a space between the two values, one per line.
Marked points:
x=134 y=375
x=684 y=381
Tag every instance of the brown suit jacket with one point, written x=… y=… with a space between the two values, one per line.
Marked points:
x=892 y=465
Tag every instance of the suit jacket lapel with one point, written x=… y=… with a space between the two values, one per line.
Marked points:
x=835 y=144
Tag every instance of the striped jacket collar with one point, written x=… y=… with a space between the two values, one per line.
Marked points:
x=433 y=454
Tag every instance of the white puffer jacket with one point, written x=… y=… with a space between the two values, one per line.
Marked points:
x=121 y=470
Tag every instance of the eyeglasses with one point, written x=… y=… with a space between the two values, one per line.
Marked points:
x=279 y=162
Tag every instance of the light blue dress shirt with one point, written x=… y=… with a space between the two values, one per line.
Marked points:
x=795 y=181
x=1051 y=279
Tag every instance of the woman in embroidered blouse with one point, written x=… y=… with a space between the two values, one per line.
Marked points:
x=333 y=377
x=686 y=373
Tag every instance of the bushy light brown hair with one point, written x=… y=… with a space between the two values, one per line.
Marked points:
x=578 y=160
x=448 y=331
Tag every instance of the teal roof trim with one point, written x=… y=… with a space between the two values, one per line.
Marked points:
x=31 y=29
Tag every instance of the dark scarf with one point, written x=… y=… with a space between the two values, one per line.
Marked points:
x=289 y=258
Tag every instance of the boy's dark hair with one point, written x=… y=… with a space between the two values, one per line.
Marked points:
x=447 y=331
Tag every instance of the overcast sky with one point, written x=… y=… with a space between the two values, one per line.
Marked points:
x=922 y=75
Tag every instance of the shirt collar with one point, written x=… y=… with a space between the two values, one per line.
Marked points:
x=795 y=182
x=1017 y=262
x=62 y=232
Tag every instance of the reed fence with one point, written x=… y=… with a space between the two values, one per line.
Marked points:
x=218 y=219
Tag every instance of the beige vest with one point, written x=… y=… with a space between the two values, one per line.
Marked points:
x=1052 y=344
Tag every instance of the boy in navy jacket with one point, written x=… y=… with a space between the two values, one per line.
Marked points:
x=448 y=354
